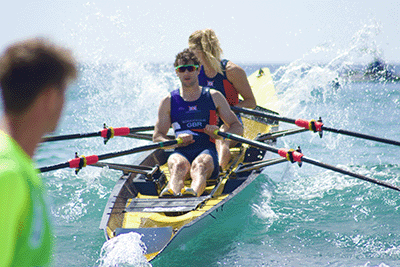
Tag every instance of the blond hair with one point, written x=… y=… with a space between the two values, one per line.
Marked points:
x=206 y=40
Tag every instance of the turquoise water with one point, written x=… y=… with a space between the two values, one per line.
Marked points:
x=304 y=216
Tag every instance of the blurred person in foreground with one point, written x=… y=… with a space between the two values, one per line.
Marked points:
x=34 y=75
x=223 y=75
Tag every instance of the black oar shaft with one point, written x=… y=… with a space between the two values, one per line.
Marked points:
x=359 y=176
x=299 y=157
x=360 y=135
x=136 y=150
x=54 y=167
x=247 y=141
x=274 y=135
x=95 y=134
x=262 y=114
x=145 y=136
x=70 y=137
x=75 y=163
x=303 y=123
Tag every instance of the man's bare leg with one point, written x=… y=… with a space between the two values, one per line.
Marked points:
x=201 y=170
x=178 y=167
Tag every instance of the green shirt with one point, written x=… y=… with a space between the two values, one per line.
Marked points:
x=25 y=231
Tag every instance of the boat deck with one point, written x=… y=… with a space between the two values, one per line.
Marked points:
x=165 y=204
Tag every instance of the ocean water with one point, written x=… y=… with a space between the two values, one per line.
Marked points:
x=297 y=216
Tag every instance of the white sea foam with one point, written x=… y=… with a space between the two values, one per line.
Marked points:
x=123 y=250
x=304 y=81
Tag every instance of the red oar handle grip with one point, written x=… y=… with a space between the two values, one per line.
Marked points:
x=83 y=161
x=111 y=132
x=290 y=154
x=315 y=126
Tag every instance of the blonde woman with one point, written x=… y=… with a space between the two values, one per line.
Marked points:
x=222 y=75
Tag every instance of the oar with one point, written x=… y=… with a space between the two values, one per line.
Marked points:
x=107 y=133
x=315 y=126
x=283 y=133
x=79 y=162
x=145 y=136
x=297 y=156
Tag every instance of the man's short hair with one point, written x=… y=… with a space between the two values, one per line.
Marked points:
x=30 y=66
x=186 y=56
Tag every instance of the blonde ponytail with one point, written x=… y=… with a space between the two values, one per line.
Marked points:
x=206 y=40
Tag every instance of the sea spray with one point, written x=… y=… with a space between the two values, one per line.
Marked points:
x=123 y=250
x=310 y=210
x=263 y=209
x=307 y=214
x=309 y=88
x=307 y=81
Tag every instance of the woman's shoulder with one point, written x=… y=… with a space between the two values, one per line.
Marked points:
x=233 y=69
x=230 y=66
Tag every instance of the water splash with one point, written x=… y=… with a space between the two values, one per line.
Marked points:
x=263 y=209
x=317 y=85
x=308 y=80
x=75 y=195
x=111 y=87
x=96 y=27
x=114 y=87
x=123 y=250
x=121 y=97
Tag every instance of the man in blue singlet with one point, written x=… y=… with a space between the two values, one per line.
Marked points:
x=192 y=112
x=34 y=75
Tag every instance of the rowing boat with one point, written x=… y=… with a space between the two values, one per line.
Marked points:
x=166 y=223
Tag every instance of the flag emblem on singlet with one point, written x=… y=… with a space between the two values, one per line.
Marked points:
x=193 y=108
x=210 y=83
